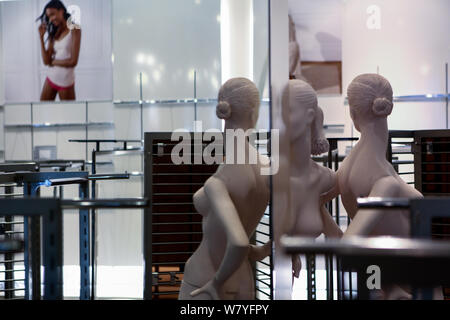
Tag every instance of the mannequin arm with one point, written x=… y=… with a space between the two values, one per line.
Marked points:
x=258 y=253
x=296 y=266
x=365 y=221
x=332 y=190
x=237 y=240
x=330 y=227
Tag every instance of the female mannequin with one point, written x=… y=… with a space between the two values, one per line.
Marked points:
x=308 y=180
x=232 y=202
x=365 y=172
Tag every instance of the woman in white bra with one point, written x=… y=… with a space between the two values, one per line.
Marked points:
x=61 y=54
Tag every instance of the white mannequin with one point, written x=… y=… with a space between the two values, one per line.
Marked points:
x=232 y=202
x=308 y=180
x=365 y=172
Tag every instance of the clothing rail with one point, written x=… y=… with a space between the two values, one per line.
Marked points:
x=420 y=263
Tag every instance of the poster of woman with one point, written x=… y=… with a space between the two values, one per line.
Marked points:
x=56 y=50
x=60 y=51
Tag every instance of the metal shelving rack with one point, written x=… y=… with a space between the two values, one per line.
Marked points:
x=171 y=223
x=32 y=126
x=422 y=159
x=400 y=145
x=51 y=211
x=12 y=228
x=97 y=151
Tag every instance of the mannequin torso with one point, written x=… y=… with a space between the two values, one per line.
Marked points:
x=308 y=179
x=364 y=161
x=250 y=194
x=305 y=202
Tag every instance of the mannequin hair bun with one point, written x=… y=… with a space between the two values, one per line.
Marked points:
x=223 y=110
x=382 y=107
x=319 y=146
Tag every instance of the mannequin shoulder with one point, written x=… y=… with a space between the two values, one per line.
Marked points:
x=235 y=176
x=328 y=178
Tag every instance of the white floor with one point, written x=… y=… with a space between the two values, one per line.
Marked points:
x=126 y=282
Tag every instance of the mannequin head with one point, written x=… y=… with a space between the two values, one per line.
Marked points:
x=305 y=116
x=370 y=98
x=238 y=103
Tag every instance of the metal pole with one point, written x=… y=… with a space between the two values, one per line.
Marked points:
x=26 y=237
x=53 y=254
x=329 y=258
x=93 y=224
x=141 y=105
x=34 y=242
x=87 y=134
x=446 y=95
x=147 y=219
x=32 y=132
x=9 y=266
x=311 y=276
x=84 y=245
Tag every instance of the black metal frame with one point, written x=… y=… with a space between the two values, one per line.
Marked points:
x=31 y=183
x=11 y=246
x=10 y=225
x=50 y=211
x=19 y=166
x=418 y=262
x=61 y=164
x=94 y=163
x=422 y=212
x=149 y=277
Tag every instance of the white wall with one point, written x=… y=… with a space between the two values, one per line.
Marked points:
x=2 y=95
x=2 y=70
x=261 y=47
x=24 y=70
x=410 y=49
x=319 y=28
x=236 y=38
x=166 y=40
